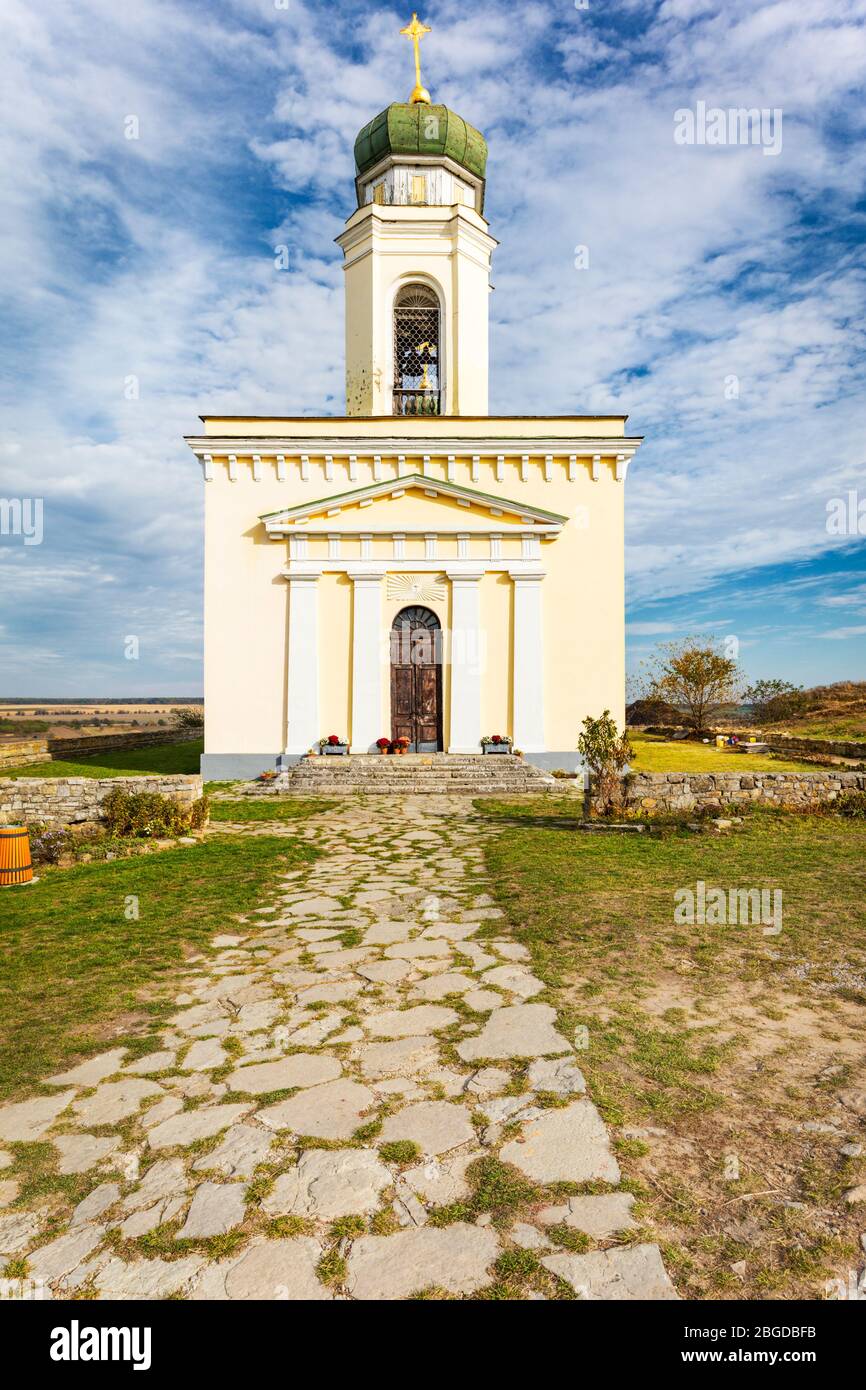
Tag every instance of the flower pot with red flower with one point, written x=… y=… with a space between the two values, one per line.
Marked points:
x=383 y=745
x=496 y=743
x=333 y=744
x=400 y=745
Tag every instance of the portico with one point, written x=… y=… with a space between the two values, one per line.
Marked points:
x=397 y=549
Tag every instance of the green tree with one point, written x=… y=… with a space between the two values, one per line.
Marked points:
x=696 y=677
x=605 y=751
x=771 y=700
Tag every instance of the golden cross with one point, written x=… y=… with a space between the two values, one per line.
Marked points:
x=416 y=32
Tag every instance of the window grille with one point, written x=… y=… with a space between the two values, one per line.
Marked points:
x=416 y=352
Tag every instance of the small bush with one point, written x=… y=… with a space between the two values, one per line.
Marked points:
x=48 y=844
x=851 y=804
x=146 y=814
x=199 y=813
x=189 y=718
x=606 y=752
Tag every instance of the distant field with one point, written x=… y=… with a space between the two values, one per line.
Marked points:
x=656 y=754
x=65 y=718
x=125 y=762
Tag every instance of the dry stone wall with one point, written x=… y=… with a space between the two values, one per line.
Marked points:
x=19 y=752
x=652 y=792
x=70 y=800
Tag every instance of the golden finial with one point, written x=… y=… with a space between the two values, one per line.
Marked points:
x=416 y=32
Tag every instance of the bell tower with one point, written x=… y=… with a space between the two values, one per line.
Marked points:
x=417 y=254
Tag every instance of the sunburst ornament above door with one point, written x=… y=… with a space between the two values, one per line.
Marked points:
x=416 y=588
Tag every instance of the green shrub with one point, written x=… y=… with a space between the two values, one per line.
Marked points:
x=141 y=814
x=188 y=718
x=199 y=813
x=606 y=752
x=851 y=803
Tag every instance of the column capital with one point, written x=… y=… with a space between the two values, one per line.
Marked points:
x=301 y=577
x=462 y=576
x=366 y=576
x=527 y=576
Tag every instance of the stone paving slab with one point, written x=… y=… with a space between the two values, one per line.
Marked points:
x=456 y=1259
x=568 y=1145
x=626 y=1272
x=30 y=1119
x=300 y=1070
x=332 y=1111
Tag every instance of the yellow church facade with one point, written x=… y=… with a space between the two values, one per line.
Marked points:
x=417 y=568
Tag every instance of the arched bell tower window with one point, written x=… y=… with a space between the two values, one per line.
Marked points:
x=417 y=357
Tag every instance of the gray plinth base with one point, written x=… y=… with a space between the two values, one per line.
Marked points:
x=228 y=767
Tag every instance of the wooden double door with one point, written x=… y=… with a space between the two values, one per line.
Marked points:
x=416 y=679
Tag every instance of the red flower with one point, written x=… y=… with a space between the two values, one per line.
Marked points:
x=496 y=738
x=333 y=740
x=383 y=743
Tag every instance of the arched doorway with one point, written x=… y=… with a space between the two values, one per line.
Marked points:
x=416 y=679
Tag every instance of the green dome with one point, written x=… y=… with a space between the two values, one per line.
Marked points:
x=410 y=129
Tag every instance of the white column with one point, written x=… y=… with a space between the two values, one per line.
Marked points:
x=367 y=658
x=466 y=662
x=528 y=663
x=303 y=664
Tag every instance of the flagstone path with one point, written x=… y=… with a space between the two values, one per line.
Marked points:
x=331 y=1102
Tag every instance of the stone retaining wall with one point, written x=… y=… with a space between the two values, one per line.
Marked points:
x=652 y=792
x=68 y=800
x=19 y=752
x=64 y=748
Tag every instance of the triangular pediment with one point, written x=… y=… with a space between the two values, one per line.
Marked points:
x=412 y=502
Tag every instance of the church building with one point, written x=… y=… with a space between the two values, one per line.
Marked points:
x=415 y=569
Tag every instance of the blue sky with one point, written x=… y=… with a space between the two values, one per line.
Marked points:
x=153 y=258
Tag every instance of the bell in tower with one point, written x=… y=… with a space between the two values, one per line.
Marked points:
x=417 y=254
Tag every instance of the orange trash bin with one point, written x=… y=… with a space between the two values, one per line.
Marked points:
x=16 y=865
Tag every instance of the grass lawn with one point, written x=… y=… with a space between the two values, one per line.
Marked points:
x=717 y=1043
x=843 y=726
x=123 y=762
x=266 y=808
x=656 y=754
x=75 y=974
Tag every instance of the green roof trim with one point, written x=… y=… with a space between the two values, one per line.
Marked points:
x=387 y=485
x=420 y=129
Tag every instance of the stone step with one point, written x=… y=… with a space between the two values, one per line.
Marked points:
x=417 y=772
x=421 y=789
x=418 y=786
x=411 y=774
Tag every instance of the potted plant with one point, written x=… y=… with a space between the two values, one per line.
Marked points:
x=400 y=745
x=496 y=743
x=383 y=745
x=333 y=744
x=267 y=776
